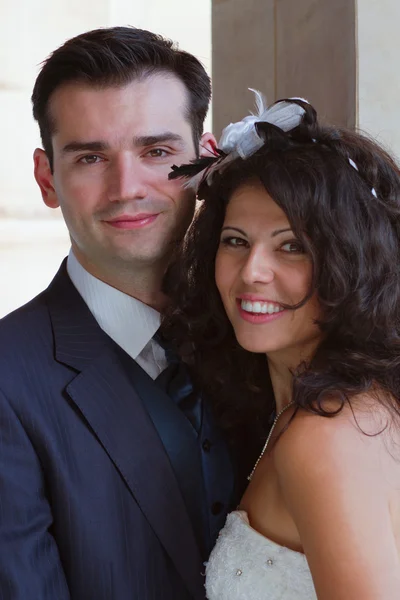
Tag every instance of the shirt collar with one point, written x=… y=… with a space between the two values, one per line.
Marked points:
x=128 y=321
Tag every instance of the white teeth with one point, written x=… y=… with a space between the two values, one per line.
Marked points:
x=260 y=307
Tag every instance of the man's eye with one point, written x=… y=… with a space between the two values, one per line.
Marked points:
x=157 y=153
x=90 y=159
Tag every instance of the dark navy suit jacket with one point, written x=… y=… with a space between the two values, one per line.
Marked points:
x=90 y=508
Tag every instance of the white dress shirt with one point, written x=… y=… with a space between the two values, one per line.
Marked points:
x=128 y=321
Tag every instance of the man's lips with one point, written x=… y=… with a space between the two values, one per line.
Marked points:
x=132 y=222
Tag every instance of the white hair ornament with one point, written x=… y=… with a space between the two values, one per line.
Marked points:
x=242 y=140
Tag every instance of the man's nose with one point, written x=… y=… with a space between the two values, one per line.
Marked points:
x=258 y=267
x=127 y=179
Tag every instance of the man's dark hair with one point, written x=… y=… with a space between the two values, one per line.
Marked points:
x=115 y=57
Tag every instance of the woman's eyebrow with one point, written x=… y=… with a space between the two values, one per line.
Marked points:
x=278 y=231
x=233 y=229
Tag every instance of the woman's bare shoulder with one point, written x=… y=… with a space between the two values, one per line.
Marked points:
x=361 y=435
x=332 y=474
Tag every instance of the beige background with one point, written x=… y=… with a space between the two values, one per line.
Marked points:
x=378 y=68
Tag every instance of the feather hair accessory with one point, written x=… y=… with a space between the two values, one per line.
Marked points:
x=241 y=139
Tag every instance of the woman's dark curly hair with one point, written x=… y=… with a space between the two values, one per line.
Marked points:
x=353 y=238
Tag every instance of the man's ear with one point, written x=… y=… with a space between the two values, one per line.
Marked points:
x=207 y=146
x=44 y=178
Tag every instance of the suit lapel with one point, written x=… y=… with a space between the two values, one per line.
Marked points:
x=179 y=440
x=106 y=398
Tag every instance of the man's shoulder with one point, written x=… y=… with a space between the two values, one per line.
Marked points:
x=25 y=333
x=26 y=341
x=31 y=318
x=28 y=317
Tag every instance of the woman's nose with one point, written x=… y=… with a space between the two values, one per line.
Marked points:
x=258 y=267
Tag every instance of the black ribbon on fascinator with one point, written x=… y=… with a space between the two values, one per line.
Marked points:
x=197 y=170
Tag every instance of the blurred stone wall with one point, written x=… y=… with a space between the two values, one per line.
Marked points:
x=284 y=48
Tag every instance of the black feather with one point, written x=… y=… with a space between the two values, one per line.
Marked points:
x=195 y=166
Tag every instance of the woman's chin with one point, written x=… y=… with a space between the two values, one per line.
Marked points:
x=258 y=346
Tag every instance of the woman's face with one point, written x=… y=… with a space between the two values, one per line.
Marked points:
x=260 y=265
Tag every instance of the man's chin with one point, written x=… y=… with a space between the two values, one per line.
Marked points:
x=139 y=259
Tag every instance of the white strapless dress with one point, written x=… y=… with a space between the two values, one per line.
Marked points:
x=245 y=565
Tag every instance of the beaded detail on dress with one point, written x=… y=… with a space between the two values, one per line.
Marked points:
x=246 y=565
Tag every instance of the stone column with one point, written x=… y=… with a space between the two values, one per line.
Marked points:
x=284 y=48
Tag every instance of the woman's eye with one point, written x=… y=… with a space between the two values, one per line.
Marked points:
x=293 y=247
x=234 y=242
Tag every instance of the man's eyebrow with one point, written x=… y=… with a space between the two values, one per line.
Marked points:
x=138 y=142
x=85 y=147
x=152 y=140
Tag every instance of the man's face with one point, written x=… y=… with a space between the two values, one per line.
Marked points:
x=113 y=150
